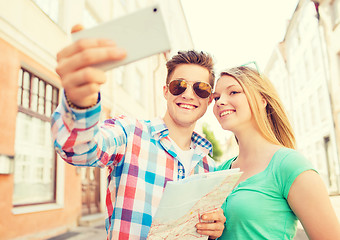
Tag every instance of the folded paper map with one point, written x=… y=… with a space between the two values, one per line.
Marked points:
x=184 y=202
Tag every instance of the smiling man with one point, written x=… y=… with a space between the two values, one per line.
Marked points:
x=141 y=155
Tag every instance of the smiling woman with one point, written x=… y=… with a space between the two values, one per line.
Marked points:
x=266 y=108
x=279 y=185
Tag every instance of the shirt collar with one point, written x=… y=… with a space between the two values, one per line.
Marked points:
x=160 y=130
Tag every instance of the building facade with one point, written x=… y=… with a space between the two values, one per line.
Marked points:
x=42 y=196
x=300 y=70
x=329 y=22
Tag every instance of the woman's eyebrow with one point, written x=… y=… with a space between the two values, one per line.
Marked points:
x=231 y=86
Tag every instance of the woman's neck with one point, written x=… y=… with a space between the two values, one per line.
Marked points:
x=254 y=147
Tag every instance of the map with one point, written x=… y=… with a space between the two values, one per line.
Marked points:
x=184 y=202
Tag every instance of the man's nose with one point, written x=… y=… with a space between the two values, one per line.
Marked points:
x=189 y=92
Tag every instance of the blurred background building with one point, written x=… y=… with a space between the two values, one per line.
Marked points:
x=305 y=69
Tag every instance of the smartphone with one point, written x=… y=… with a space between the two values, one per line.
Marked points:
x=142 y=34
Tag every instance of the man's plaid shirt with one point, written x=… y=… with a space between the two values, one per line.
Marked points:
x=140 y=160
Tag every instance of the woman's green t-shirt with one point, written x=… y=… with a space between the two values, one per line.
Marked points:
x=257 y=208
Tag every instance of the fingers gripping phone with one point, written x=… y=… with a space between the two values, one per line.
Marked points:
x=142 y=34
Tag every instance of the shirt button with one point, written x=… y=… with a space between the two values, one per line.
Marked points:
x=61 y=153
x=70 y=116
x=180 y=171
x=69 y=120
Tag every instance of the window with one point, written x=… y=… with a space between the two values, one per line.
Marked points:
x=35 y=159
x=316 y=55
x=338 y=69
x=301 y=74
x=305 y=119
x=308 y=67
x=301 y=123
x=314 y=107
x=51 y=8
x=322 y=104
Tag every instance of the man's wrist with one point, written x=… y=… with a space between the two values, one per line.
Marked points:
x=74 y=106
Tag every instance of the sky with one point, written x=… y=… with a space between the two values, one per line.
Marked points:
x=235 y=32
x=238 y=31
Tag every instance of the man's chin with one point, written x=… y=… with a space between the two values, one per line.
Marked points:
x=186 y=122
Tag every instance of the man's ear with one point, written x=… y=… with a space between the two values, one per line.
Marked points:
x=211 y=98
x=165 y=91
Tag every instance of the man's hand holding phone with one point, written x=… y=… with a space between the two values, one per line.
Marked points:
x=120 y=41
x=80 y=80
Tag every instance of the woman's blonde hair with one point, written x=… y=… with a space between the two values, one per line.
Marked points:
x=273 y=123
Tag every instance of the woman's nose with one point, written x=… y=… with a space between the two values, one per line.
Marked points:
x=221 y=101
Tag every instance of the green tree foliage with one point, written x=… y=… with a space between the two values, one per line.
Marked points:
x=217 y=152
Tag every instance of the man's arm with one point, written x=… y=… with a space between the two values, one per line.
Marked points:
x=78 y=139
x=74 y=123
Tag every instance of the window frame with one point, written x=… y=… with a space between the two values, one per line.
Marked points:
x=45 y=116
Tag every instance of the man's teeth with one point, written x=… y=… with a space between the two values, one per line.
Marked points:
x=186 y=106
x=226 y=113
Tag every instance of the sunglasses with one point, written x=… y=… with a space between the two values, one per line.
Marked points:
x=178 y=86
x=255 y=64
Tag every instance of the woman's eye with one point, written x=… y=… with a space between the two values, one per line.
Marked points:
x=233 y=92
x=216 y=98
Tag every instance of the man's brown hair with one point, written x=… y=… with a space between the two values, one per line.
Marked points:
x=192 y=57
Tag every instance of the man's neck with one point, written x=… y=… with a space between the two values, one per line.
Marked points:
x=183 y=140
x=181 y=135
